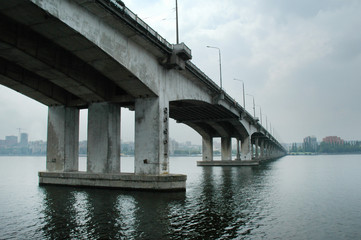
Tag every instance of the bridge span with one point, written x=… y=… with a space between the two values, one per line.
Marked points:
x=97 y=54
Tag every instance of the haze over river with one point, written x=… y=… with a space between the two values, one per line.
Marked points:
x=295 y=197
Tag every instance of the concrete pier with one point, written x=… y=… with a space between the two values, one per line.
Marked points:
x=246 y=153
x=169 y=182
x=151 y=136
x=262 y=155
x=226 y=148
x=207 y=148
x=238 y=158
x=243 y=157
x=103 y=138
x=63 y=139
x=103 y=160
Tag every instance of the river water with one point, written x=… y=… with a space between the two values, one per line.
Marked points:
x=295 y=197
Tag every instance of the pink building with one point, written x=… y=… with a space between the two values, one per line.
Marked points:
x=333 y=140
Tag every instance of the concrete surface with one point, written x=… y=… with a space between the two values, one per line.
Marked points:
x=168 y=182
x=103 y=138
x=63 y=139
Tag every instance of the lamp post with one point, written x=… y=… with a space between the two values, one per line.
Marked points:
x=260 y=113
x=270 y=128
x=266 y=124
x=254 y=106
x=244 y=99
x=220 y=64
x=176 y=20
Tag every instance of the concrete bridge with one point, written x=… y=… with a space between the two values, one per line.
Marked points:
x=97 y=54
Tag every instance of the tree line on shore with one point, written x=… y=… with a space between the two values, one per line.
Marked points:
x=324 y=147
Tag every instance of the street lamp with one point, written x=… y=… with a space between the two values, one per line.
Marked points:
x=220 y=64
x=266 y=123
x=176 y=12
x=270 y=128
x=254 y=106
x=260 y=113
x=244 y=99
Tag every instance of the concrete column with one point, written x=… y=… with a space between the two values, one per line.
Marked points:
x=207 y=148
x=246 y=151
x=271 y=151
x=226 y=148
x=238 y=158
x=252 y=150
x=262 y=149
x=256 y=146
x=151 y=136
x=266 y=154
x=103 y=138
x=63 y=139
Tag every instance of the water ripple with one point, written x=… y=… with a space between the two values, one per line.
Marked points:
x=292 y=198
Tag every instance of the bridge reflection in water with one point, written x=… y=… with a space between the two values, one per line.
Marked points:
x=223 y=201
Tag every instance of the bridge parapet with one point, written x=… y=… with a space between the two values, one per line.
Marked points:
x=177 y=54
x=120 y=10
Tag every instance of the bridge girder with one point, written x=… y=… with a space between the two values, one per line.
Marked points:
x=33 y=39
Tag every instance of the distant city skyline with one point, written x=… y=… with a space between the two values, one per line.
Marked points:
x=12 y=145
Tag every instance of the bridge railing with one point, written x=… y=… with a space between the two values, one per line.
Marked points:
x=151 y=30
x=202 y=76
x=147 y=27
x=122 y=11
x=207 y=80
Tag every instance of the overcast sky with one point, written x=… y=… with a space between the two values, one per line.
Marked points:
x=301 y=60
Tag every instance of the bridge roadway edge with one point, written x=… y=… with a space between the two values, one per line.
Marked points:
x=124 y=181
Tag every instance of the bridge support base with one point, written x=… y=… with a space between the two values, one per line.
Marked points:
x=228 y=163
x=130 y=181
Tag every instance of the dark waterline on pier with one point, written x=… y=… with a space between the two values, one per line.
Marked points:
x=295 y=197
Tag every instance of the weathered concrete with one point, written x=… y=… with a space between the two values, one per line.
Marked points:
x=63 y=139
x=246 y=153
x=226 y=148
x=265 y=149
x=168 y=182
x=262 y=155
x=238 y=157
x=103 y=138
x=228 y=163
x=207 y=148
x=256 y=145
x=151 y=136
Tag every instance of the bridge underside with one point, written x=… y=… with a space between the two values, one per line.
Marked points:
x=207 y=119
x=46 y=60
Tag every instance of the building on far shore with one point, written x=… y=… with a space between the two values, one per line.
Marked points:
x=310 y=144
x=333 y=140
x=11 y=141
x=24 y=140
